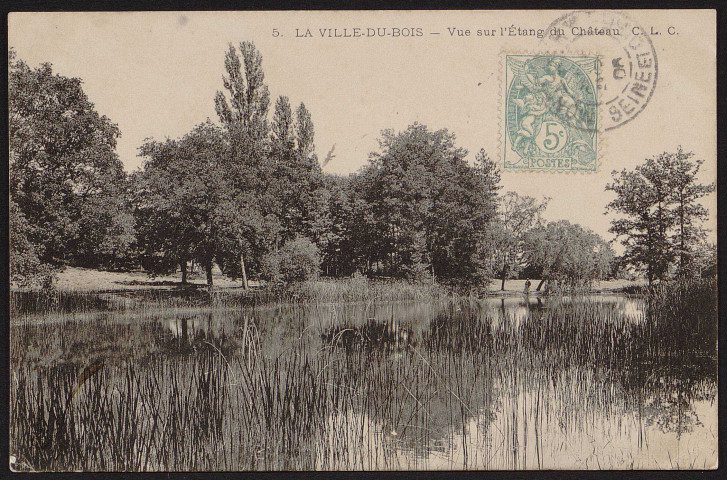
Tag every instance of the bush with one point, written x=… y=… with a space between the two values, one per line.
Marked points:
x=26 y=269
x=297 y=261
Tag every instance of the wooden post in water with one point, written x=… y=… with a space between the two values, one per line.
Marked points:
x=244 y=273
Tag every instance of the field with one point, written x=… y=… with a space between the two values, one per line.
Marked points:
x=82 y=279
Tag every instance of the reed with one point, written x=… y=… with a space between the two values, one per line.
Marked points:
x=55 y=301
x=271 y=389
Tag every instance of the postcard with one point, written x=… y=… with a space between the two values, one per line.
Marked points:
x=363 y=240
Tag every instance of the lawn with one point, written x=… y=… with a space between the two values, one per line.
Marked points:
x=84 y=279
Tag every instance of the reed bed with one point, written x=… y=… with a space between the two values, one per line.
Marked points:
x=472 y=388
x=360 y=289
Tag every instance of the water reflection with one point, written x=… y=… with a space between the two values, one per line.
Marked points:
x=508 y=405
x=521 y=382
x=186 y=334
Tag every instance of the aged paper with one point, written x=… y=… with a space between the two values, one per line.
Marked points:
x=333 y=186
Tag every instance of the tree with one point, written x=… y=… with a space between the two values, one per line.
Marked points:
x=304 y=131
x=297 y=180
x=244 y=117
x=567 y=254
x=662 y=221
x=427 y=211
x=245 y=114
x=181 y=199
x=25 y=266
x=277 y=183
x=108 y=226
x=685 y=191
x=518 y=214
x=63 y=167
x=703 y=259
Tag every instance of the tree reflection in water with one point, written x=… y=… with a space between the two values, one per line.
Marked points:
x=521 y=382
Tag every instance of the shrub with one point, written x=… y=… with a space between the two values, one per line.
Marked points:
x=297 y=261
x=26 y=269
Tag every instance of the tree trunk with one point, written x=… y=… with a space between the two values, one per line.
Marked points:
x=208 y=268
x=682 y=240
x=183 y=268
x=244 y=272
x=504 y=276
x=650 y=272
x=542 y=281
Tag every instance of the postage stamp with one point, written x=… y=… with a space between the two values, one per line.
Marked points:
x=551 y=112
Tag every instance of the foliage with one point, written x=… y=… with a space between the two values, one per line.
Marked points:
x=65 y=178
x=662 y=222
x=518 y=215
x=296 y=187
x=250 y=196
x=276 y=190
x=179 y=193
x=298 y=260
x=25 y=267
x=687 y=308
x=567 y=254
x=230 y=195
x=424 y=211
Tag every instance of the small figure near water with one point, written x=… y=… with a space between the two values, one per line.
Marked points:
x=526 y=290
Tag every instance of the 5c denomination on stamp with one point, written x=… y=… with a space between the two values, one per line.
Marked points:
x=551 y=113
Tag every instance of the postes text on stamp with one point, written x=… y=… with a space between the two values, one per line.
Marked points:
x=551 y=113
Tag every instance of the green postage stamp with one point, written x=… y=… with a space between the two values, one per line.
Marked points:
x=551 y=113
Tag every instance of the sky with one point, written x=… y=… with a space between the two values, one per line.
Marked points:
x=156 y=74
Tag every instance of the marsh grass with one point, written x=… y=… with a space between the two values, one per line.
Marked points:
x=360 y=289
x=472 y=389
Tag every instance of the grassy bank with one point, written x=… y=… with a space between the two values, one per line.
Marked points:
x=314 y=291
x=85 y=290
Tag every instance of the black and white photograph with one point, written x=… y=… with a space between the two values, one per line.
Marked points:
x=362 y=240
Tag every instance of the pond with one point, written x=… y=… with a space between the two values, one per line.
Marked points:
x=503 y=383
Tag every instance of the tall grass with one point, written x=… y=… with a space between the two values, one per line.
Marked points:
x=23 y=303
x=473 y=388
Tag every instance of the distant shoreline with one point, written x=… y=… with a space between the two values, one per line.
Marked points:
x=90 y=280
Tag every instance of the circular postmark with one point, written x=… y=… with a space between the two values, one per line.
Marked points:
x=627 y=61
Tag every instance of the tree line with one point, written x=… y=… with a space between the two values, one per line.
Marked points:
x=247 y=194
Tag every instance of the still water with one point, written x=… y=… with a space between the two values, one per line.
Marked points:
x=502 y=383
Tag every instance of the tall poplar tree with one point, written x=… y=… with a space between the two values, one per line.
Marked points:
x=243 y=113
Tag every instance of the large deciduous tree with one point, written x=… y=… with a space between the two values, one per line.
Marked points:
x=66 y=181
x=567 y=254
x=180 y=196
x=428 y=212
x=518 y=215
x=662 y=217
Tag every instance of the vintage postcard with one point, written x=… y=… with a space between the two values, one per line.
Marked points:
x=363 y=240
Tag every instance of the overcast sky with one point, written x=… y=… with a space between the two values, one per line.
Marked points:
x=155 y=75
